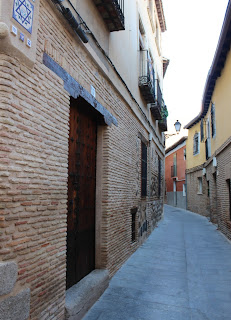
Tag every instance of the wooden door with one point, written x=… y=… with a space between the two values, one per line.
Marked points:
x=81 y=192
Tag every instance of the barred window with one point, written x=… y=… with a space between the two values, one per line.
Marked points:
x=202 y=130
x=229 y=191
x=159 y=177
x=196 y=143
x=143 y=169
x=213 y=120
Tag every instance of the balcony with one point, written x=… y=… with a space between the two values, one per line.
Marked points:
x=164 y=113
x=156 y=107
x=163 y=124
x=147 y=77
x=112 y=12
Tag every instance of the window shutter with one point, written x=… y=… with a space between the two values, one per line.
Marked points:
x=202 y=129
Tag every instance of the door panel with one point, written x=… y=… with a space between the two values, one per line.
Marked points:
x=81 y=192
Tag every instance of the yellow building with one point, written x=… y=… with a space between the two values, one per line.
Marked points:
x=208 y=166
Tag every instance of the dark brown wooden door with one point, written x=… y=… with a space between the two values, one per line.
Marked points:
x=81 y=192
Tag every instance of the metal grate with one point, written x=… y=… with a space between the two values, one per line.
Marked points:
x=147 y=77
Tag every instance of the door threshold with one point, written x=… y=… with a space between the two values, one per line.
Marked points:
x=81 y=297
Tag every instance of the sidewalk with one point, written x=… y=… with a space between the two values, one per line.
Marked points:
x=182 y=272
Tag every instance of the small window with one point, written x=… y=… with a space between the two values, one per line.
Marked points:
x=184 y=190
x=133 y=225
x=213 y=121
x=196 y=143
x=199 y=185
x=229 y=191
x=143 y=169
x=184 y=154
x=174 y=165
x=159 y=177
x=208 y=189
x=202 y=130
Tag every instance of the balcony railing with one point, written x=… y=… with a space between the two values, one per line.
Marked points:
x=112 y=12
x=163 y=124
x=159 y=103
x=147 y=77
x=159 y=99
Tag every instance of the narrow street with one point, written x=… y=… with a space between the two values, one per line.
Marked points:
x=182 y=272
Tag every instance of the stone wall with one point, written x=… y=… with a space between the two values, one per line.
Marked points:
x=34 y=128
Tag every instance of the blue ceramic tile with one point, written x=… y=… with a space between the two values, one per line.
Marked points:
x=23 y=12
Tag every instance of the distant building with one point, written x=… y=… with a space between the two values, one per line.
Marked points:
x=175 y=165
x=209 y=140
x=82 y=148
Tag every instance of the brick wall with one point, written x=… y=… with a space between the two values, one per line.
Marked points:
x=214 y=202
x=196 y=201
x=34 y=128
x=223 y=203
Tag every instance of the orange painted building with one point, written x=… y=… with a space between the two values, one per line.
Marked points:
x=175 y=166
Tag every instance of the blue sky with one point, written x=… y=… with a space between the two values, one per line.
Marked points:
x=193 y=29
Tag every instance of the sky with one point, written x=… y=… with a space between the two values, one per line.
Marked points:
x=193 y=29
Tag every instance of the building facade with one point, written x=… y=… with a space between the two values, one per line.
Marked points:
x=175 y=166
x=82 y=148
x=209 y=141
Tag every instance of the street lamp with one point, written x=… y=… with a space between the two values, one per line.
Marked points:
x=177 y=126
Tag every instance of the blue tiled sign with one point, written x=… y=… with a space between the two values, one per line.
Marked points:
x=23 y=12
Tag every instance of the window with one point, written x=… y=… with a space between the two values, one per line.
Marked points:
x=208 y=140
x=159 y=177
x=174 y=166
x=213 y=122
x=229 y=190
x=133 y=225
x=184 y=190
x=202 y=130
x=143 y=169
x=208 y=189
x=184 y=154
x=199 y=185
x=196 y=143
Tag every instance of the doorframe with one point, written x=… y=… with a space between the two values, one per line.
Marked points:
x=99 y=263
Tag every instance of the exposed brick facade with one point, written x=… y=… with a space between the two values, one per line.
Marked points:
x=214 y=202
x=34 y=131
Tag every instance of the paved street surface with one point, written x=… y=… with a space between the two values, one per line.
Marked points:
x=182 y=272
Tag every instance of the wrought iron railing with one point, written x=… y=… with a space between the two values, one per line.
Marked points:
x=159 y=99
x=121 y=5
x=147 y=77
x=112 y=12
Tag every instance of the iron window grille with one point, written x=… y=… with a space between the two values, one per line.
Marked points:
x=143 y=169
x=147 y=77
x=196 y=143
x=159 y=177
x=213 y=123
x=133 y=224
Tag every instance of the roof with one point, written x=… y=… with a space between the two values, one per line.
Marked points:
x=176 y=144
x=165 y=65
x=218 y=63
x=160 y=12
